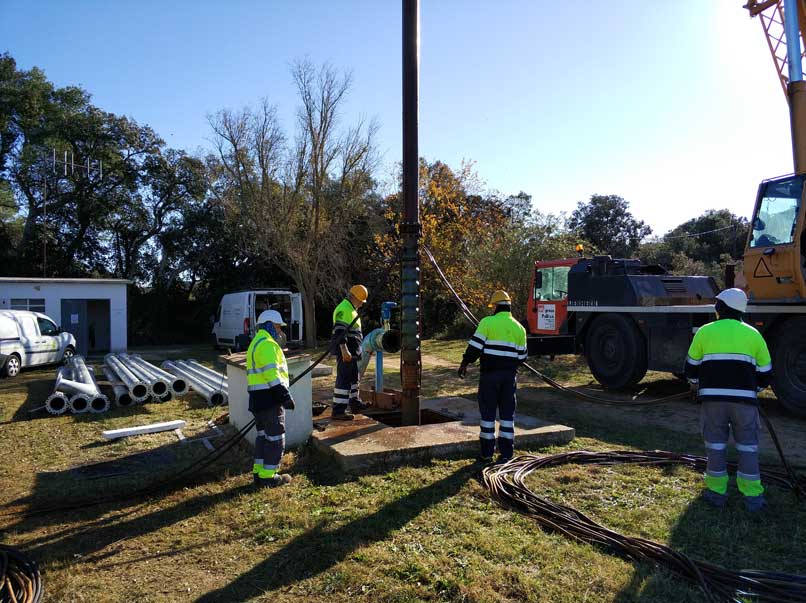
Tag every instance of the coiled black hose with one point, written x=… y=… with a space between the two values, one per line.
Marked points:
x=506 y=484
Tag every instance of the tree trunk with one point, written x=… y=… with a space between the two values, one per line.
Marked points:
x=309 y=309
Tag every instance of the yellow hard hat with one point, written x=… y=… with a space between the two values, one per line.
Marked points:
x=499 y=297
x=359 y=292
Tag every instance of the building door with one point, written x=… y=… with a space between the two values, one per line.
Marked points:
x=74 y=320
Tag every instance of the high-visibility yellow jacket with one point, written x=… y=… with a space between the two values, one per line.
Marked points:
x=343 y=332
x=266 y=372
x=729 y=361
x=500 y=342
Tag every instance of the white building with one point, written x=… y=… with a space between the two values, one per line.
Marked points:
x=93 y=310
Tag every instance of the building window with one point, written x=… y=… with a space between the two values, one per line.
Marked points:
x=32 y=305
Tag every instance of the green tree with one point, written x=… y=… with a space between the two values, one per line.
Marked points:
x=606 y=222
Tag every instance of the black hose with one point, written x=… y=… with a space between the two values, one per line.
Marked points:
x=506 y=483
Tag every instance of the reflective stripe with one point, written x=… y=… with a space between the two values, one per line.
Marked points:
x=337 y=390
x=719 y=391
x=480 y=336
x=716 y=473
x=487 y=436
x=691 y=360
x=484 y=423
x=261 y=433
x=275 y=438
x=716 y=445
x=737 y=357
x=263 y=369
x=503 y=423
x=747 y=447
x=270 y=467
x=750 y=477
x=475 y=344
x=693 y=380
x=764 y=369
x=507 y=435
x=501 y=353
x=260 y=386
x=509 y=344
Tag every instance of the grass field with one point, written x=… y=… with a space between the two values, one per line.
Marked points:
x=420 y=533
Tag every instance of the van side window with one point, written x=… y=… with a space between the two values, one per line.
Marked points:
x=46 y=327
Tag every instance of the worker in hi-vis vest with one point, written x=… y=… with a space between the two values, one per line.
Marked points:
x=269 y=396
x=500 y=343
x=729 y=363
x=345 y=343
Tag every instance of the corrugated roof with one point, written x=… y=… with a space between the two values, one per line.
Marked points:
x=72 y=281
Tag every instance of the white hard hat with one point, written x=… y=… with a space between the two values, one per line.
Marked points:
x=270 y=316
x=734 y=298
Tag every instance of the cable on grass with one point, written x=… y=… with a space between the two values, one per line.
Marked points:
x=506 y=483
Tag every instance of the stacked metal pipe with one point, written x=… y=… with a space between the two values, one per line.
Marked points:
x=215 y=378
x=122 y=396
x=76 y=390
x=159 y=386
x=212 y=390
x=139 y=389
x=177 y=385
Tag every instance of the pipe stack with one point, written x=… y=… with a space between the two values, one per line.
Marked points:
x=76 y=390
x=158 y=385
x=139 y=389
x=178 y=385
x=214 y=378
x=122 y=396
x=212 y=391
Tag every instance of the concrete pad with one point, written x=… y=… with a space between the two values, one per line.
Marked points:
x=364 y=443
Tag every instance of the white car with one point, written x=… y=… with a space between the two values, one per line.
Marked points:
x=31 y=339
x=234 y=321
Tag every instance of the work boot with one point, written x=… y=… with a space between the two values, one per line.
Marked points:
x=278 y=479
x=715 y=499
x=341 y=415
x=357 y=406
x=755 y=504
x=484 y=460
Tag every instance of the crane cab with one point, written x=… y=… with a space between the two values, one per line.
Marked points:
x=774 y=259
x=547 y=311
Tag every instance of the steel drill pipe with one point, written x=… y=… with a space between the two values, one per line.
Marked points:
x=56 y=404
x=216 y=381
x=214 y=397
x=97 y=402
x=138 y=389
x=213 y=376
x=159 y=386
x=79 y=403
x=179 y=386
x=122 y=395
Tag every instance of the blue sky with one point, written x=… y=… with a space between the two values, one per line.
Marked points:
x=673 y=104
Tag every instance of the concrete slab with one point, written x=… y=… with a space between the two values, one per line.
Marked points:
x=365 y=444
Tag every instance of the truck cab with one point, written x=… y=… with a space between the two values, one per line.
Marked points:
x=547 y=311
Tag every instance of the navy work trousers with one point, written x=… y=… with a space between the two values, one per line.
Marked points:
x=497 y=395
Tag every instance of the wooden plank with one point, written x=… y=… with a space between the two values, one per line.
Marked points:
x=114 y=434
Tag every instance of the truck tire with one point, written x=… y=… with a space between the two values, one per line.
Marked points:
x=616 y=351
x=788 y=351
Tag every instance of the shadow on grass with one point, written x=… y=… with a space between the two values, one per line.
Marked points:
x=319 y=549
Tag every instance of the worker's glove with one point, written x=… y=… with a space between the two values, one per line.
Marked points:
x=346 y=356
x=462 y=372
x=695 y=387
x=288 y=401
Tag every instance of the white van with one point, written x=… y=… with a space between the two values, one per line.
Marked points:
x=31 y=339
x=234 y=322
